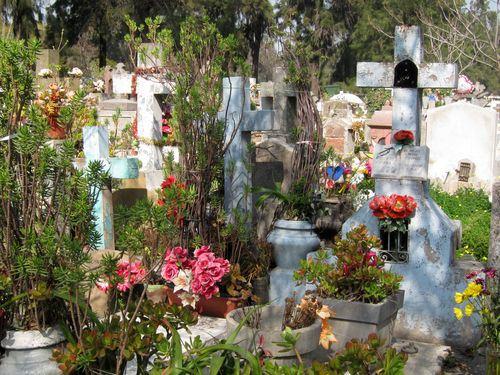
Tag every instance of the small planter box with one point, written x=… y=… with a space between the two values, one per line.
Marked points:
x=358 y=319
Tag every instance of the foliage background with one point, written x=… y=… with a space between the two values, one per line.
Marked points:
x=473 y=209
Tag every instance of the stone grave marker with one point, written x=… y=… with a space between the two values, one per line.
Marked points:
x=430 y=273
x=462 y=138
x=241 y=121
x=96 y=147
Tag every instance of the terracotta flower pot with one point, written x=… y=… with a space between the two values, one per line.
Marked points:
x=217 y=307
x=56 y=131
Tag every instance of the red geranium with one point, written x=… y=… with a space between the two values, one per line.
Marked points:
x=404 y=136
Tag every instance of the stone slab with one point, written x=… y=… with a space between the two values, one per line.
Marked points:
x=427 y=360
x=411 y=163
x=114 y=104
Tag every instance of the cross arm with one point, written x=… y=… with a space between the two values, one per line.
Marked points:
x=373 y=74
x=437 y=75
x=258 y=120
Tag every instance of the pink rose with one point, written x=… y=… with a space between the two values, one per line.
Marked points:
x=169 y=271
x=204 y=260
x=216 y=271
x=206 y=280
x=123 y=287
x=202 y=250
x=211 y=291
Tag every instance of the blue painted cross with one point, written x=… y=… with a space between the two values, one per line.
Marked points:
x=96 y=147
x=240 y=122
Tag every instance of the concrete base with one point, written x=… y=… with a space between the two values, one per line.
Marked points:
x=283 y=286
x=427 y=360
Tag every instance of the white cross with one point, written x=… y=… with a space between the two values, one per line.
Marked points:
x=408 y=75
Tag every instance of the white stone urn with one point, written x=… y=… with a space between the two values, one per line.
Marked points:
x=29 y=352
x=292 y=240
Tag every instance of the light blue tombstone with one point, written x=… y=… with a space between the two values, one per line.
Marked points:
x=241 y=121
x=96 y=147
x=430 y=273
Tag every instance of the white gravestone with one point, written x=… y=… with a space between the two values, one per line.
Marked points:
x=430 y=276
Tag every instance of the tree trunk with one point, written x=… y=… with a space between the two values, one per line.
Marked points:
x=102 y=50
x=255 y=59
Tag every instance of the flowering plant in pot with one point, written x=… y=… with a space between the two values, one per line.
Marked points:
x=480 y=301
x=195 y=279
x=352 y=283
x=284 y=332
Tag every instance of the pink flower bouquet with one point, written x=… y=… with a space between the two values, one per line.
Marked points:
x=196 y=276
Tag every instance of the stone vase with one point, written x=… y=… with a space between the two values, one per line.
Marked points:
x=29 y=352
x=356 y=320
x=292 y=240
x=269 y=331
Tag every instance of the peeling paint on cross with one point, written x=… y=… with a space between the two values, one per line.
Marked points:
x=407 y=76
x=240 y=122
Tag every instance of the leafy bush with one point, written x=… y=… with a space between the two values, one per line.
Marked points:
x=364 y=357
x=358 y=273
x=473 y=208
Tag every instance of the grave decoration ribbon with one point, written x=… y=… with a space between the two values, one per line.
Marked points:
x=393 y=211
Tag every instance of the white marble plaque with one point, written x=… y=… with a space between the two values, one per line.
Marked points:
x=122 y=83
x=410 y=163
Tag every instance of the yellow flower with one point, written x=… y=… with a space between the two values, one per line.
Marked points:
x=459 y=297
x=469 y=309
x=473 y=290
x=458 y=313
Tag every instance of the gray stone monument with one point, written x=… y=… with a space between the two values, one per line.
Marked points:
x=431 y=275
x=240 y=122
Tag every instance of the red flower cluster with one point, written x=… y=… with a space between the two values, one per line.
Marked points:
x=393 y=207
x=404 y=136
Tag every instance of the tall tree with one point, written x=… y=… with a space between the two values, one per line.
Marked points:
x=255 y=18
x=23 y=15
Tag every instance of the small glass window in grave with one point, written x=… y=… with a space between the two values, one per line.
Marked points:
x=394 y=245
x=464 y=172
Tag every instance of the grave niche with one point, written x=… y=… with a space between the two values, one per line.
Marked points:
x=406 y=74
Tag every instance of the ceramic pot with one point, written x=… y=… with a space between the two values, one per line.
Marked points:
x=29 y=352
x=269 y=331
x=292 y=240
x=217 y=307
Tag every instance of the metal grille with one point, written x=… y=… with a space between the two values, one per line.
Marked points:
x=464 y=172
x=394 y=246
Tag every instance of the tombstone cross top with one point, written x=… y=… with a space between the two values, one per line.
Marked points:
x=408 y=75
x=240 y=122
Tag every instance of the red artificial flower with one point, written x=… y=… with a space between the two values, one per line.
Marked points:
x=404 y=136
x=168 y=182
x=379 y=206
x=160 y=202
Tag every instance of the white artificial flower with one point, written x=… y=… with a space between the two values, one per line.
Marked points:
x=189 y=299
x=182 y=281
x=45 y=73
x=75 y=72
x=357 y=178
x=98 y=85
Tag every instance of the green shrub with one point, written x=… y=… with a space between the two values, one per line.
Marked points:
x=473 y=208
